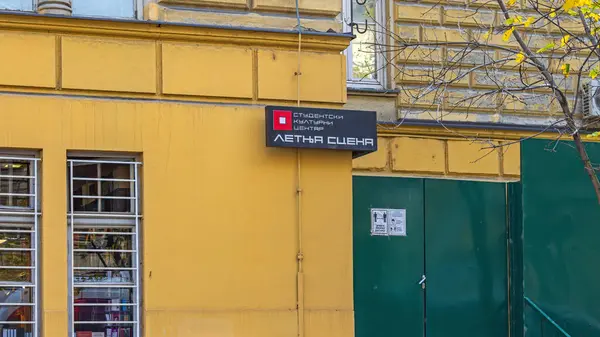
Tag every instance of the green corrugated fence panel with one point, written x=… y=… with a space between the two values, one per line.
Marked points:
x=561 y=224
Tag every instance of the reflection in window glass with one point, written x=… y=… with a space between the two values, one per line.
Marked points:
x=16 y=5
x=15 y=184
x=105 y=8
x=106 y=305
x=102 y=187
x=104 y=218
x=364 y=60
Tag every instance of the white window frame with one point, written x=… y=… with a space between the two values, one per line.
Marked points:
x=380 y=18
x=24 y=217
x=90 y=219
x=138 y=11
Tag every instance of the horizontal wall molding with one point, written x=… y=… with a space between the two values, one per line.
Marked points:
x=139 y=60
x=168 y=31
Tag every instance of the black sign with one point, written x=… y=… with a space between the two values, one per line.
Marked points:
x=322 y=129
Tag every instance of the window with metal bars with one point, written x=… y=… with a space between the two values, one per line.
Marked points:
x=104 y=220
x=19 y=242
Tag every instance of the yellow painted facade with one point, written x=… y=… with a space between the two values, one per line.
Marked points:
x=228 y=247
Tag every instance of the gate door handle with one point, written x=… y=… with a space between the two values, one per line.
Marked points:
x=423 y=278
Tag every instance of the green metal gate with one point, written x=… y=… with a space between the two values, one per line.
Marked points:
x=456 y=242
x=561 y=230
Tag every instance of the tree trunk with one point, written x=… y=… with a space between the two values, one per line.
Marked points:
x=587 y=164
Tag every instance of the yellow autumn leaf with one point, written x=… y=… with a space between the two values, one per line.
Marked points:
x=507 y=34
x=583 y=3
x=546 y=47
x=487 y=34
x=564 y=40
x=519 y=58
x=528 y=22
x=566 y=68
x=594 y=73
x=594 y=16
x=569 y=4
x=511 y=3
x=553 y=13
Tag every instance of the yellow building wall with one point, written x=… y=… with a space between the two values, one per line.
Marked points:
x=442 y=157
x=220 y=229
x=319 y=15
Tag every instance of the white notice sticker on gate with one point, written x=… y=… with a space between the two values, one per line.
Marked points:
x=379 y=222
x=397 y=222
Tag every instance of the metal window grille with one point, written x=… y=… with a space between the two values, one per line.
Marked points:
x=19 y=242
x=104 y=225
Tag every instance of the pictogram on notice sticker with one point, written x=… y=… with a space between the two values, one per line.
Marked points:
x=388 y=222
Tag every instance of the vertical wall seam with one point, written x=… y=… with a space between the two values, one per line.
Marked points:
x=446 y=158
x=255 y=75
x=389 y=166
x=58 y=62
x=159 y=69
x=500 y=160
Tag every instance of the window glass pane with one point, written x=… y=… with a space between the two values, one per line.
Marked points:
x=104 y=295
x=364 y=62
x=14 y=167
x=11 y=184
x=116 y=171
x=112 y=308
x=15 y=275
x=104 y=276
x=15 y=295
x=15 y=240
x=15 y=258
x=85 y=204
x=17 y=5
x=25 y=330
x=111 y=329
x=85 y=187
x=85 y=170
x=102 y=259
x=103 y=241
x=111 y=182
x=16 y=313
x=107 y=8
x=117 y=205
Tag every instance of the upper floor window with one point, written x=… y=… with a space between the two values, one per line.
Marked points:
x=366 y=61
x=16 y=5
x=124 y=9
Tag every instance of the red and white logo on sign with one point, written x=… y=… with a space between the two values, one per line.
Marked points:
x=282 y=120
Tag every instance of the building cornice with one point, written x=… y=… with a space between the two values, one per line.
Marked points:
x=470 y=130
x=315 y=41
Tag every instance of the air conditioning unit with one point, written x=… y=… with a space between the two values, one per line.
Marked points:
x=590 y=99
